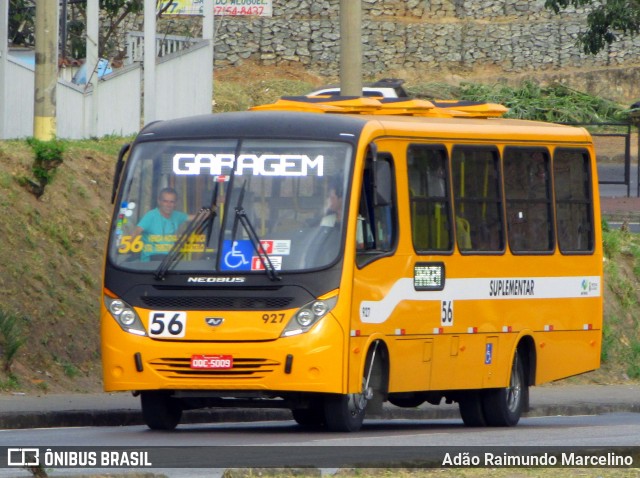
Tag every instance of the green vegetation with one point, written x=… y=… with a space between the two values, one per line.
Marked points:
x=48 y=156
x=529 y=100
x=608 y=21
x=12 y=337
x=556 y=103
x=621 y=334
x=232 y=96
x=435 y=472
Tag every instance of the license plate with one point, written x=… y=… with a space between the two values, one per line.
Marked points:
x=212 y=362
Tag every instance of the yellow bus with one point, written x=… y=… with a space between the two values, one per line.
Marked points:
x=327 y=255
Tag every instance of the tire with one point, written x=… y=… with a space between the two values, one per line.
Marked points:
x=345 y=413
x=471 y=409
x=160 y=411
x=312 y=418
x=503 y=406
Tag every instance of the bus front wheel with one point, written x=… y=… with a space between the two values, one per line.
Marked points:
x=311 y=417
x=345 y=413
x=160 y=411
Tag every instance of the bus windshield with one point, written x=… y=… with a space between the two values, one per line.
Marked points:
x=275 y=203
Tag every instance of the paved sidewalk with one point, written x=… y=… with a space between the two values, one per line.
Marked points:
x=117 y=409
x=620 y=208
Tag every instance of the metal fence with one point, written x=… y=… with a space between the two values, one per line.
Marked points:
x=615 y=155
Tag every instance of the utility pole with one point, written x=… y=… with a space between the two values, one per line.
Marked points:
x=91 y=62
x=46 y=70
x=351 y=47
x=4 y=48
x=63 y=29
x=149 y=61
x=208 y=33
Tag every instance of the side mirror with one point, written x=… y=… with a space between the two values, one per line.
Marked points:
x=118 y=171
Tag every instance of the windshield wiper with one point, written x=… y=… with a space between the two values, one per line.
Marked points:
x=197 y=225
x=241 y=217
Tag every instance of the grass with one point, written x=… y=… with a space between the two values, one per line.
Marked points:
x=108 y=145
x=621 y=332
x=12 y=337
x=232 y=96
x=437 y=472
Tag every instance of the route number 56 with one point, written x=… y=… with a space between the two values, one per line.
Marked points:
x=167 y=324
x=446 y=313
x=129 y=244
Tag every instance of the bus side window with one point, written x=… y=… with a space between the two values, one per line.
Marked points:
x=429 y=198
x=478 y=198
x=572 y=180
x=527 y=181
x=376 y=227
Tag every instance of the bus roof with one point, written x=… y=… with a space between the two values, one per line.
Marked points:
x=345 y=118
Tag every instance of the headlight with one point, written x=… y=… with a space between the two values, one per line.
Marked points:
x=305 y=317
x=116 y=307
x=308 y=315
x=127 y=317
x=124 y=315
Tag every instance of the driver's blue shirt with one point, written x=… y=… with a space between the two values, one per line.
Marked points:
x=159 y=232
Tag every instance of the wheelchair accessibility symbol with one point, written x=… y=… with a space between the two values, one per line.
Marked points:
x=236 y=255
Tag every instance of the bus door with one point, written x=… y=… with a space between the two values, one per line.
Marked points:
x=380 y=276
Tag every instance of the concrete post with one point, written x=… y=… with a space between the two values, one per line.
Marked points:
x=149 y=62
x=4 y=47
x=351 y=47
x=93 y=35
x=46 y=74
x=208 y=33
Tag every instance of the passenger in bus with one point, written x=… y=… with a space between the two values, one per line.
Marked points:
x=333 y=213
x=160 y=226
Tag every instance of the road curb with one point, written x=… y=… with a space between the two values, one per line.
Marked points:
x=95 y=418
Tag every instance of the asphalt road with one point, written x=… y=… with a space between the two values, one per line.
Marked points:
x=615 y=172
x=411 y=443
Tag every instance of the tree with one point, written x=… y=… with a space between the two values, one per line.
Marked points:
x=21 y=22
x=605 y=21
x=113 y=14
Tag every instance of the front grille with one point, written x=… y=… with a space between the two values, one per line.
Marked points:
x=243 y=369
x=216 y=302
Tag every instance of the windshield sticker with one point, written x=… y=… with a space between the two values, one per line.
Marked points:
x=236 y=255
x=125 y=212
x=281 y=247
x=159 y=243
x=257 y=265
x=248 y=164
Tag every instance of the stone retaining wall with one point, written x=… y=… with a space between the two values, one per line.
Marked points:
x=422 y=35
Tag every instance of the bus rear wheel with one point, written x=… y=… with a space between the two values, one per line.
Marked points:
x=160 y=411
x=471 y=409
x=503 y=406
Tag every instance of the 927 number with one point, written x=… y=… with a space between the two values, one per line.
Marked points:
x=272 y=318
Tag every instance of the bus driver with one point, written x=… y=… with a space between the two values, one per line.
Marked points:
x=159 y=227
